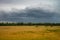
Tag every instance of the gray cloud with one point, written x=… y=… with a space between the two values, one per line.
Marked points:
x=18 y=1
x=10 y=1
x=30 y=10
x=50 y=4
x=30 y=15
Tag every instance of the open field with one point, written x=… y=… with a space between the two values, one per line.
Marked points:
x=29 y=33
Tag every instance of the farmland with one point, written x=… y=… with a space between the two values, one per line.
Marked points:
x=29 y=33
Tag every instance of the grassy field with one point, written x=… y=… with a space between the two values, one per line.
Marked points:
x=29 y=33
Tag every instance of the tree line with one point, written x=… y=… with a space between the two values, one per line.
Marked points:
x=30 y=24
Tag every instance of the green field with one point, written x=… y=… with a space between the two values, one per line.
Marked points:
x=29 y=33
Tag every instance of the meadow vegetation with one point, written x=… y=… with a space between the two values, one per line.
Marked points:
x=33 y=32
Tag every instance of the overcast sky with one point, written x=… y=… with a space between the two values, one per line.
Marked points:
x=30 y=10
x=22 y=4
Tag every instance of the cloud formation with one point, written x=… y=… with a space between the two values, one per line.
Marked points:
x=30 y=15
x=30 y=10
x=21 y=4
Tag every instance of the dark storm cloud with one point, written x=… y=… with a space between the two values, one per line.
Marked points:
x=34 y=11
x=30 y=15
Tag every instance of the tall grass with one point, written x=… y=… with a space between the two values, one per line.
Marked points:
x=29 y=33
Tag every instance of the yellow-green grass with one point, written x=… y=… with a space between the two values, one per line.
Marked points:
x=29 y=33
